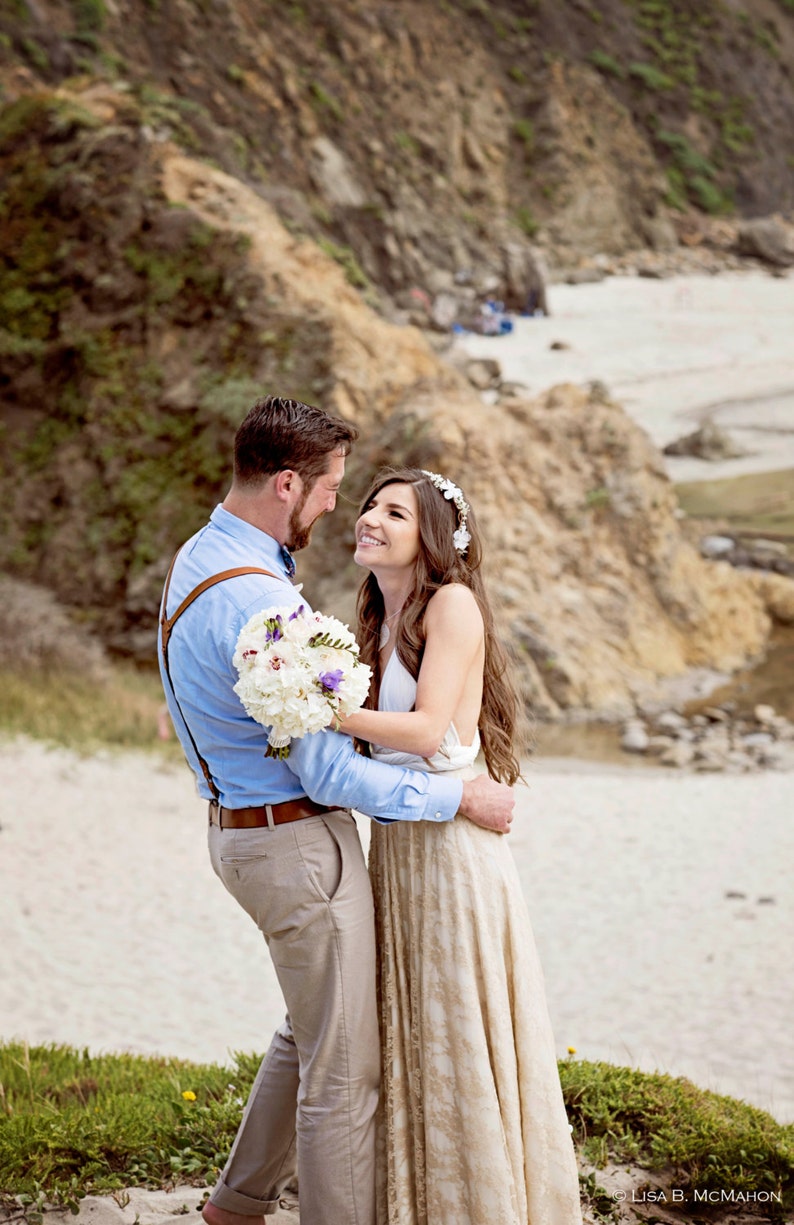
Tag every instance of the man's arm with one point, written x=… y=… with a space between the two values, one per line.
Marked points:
x=332 y=772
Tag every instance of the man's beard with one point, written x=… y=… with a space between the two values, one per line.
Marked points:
x=299 y=534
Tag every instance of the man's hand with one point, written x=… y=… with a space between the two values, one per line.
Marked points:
x=488 y=803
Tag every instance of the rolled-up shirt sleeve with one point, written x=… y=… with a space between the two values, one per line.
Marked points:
x=333 y=773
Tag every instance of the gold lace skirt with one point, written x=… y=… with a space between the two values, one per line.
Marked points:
x=472 y=1125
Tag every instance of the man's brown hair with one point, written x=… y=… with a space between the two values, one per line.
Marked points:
x=279 y=433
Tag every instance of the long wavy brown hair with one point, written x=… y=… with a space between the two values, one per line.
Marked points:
x=437 y=564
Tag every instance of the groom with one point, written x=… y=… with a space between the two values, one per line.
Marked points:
x=281 y=836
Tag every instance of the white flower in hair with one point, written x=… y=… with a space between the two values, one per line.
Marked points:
x=461 y=537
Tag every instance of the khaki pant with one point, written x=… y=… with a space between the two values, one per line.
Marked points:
x=306 y=887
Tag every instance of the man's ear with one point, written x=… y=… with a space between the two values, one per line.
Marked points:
x=285 y=484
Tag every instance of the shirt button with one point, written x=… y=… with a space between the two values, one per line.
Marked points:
x=438 y=816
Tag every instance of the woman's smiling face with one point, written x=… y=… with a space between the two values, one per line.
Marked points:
x=387 y=531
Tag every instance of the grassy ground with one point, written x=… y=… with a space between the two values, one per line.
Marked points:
x=122 y=710
x=760 y=502
x=72 y=1123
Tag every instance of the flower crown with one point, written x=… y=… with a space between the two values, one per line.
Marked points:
x=461 y=537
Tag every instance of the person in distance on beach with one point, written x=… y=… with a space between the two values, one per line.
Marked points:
x=281 y=836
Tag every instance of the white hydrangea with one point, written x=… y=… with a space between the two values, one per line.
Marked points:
x=298 y=672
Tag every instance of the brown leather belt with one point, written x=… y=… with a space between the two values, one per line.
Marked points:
x=256 y=818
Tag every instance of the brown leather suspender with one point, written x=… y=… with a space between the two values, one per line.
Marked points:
x=166 y=626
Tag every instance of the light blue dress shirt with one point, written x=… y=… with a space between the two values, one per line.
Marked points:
x=324 y=766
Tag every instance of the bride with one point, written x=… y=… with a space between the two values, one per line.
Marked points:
x=472 y=1127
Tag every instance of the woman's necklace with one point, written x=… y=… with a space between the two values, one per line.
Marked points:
x=385 y=633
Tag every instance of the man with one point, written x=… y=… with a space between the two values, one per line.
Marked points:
x=281 y=836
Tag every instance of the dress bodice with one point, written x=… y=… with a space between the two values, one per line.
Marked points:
x=398 y=693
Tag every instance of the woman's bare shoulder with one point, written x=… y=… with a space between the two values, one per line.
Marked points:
x=452 y=604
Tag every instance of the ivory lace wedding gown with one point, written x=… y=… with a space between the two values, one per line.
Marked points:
x=472 y=1128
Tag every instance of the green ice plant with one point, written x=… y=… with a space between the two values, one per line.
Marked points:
x=73 y=1123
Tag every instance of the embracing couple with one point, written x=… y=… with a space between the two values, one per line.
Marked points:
x=414 y=1079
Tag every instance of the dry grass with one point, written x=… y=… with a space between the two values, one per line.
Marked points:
x=121 y=709
x=57 y=684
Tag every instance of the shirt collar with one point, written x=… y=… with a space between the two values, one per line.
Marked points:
x=266 y=549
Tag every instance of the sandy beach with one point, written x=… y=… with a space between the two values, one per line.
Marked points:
x=660 y=904
x=673 y=352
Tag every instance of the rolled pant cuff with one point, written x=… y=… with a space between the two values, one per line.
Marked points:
x=235 y=1201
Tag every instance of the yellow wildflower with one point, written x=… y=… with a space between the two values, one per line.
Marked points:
x=189 y=1095
x=571 y=1050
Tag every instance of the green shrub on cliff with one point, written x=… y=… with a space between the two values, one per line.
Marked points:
x=692 y=175
x=123 y=322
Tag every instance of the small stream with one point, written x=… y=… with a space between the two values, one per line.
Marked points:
x=771 y=683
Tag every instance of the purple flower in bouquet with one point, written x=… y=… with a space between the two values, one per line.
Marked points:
x=330 y=681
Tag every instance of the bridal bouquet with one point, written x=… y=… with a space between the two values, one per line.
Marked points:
x=298 y=672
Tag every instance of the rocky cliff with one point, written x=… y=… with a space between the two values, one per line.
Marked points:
x=150 y=296
x=417 y=140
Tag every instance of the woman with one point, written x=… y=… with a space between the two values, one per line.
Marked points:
x=473 y=1127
